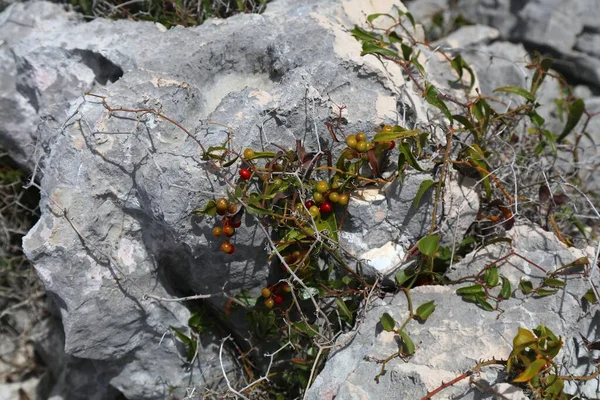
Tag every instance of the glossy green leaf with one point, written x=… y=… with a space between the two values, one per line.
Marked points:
x=432 y=97
x=540 y=74
x=425 y=185
x=536 y=118
x=183 y=338
x=523 y=338
x=344 y=310
x=406 y=51
x=372 y=17
x=363 y=35
x=516 y=90
x=532 y=369
x=459 y=66
x=473 y=289
x=574 y=110
x=526 y=286
x=590 y=296
x=542 y=292
x=403 y=275
x=481 y=302
x=371 y=48
x=464 y=121
x=555 y=283
x=506 y=290
x=407 y=156
x=408 y=347
x=388 y=322
x=261 y=154
x=209 y=209
x=425 y=310
x=429 y=245
x=415 y=61
x=398 y=133
x=491 y=277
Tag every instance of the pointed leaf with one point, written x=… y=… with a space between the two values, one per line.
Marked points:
x=532 y=370
x=371 y=17
x=555 y=283
x=403 y=275
x=209 y=209
x=506 y=290
x=590 y=296
x=407 y=343
x=397 y=133
x=388 y=322
x=473 y=289
x=484 y=304
x=491 y=277
x=516 y=90
x=575 y=111
x=406 y=153
x=371 y=48
x=429 y=245
x=425 y=185
x=361 y=34
x=541 y=292
x=432 y=97
x=526 y=286
x=425 y=310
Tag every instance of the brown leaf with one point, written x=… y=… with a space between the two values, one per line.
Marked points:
x=373 y=162
x=560 y=199
x=544 y=194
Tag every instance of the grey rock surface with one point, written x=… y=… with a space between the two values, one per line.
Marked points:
x=458 y=335
x=567 y=30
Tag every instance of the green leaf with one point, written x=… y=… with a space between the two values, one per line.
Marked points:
x=371 y=17
x=523 y=338
x=406 y=51
x=363 y=35
x=302 y=326
x=464 y=121
x=230 y=162
x=183 y=338
x=549 y=139
x=555 y=283
x=506 y=290
x=209 y=209
x=542 y=292
x=590 y=296
x=406 y=152
x=262 y=154
x=473 y=289
x=431 y=96
x=516 y=90
x=371 y=48
x=429 y=245
x=575 y=111
x=410 y=18
x=388 y=322
x=484 y=304
x=344 y=310
x=536 y=118
x=407 y=344
x=397 y=133
x=415 y=61
x=425 y=310
x=532 y=370
x=403 y=275
x=538 y=76
x=425 y=185
x=459 y=64
x=526 y=286
x=491 y=277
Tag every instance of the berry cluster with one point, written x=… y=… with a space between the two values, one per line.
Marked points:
x=228 y=223
x=273 y=294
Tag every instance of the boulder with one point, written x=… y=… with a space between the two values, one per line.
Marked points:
x=458 y=334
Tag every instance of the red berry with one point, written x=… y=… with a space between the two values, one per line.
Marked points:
x=278 y=299
x=392 y=145
x=245 y=173
x=269 y=303
x=228 y=230
x=227 y=247
x=265 y=292
x=309 y=203
x=326 y=207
